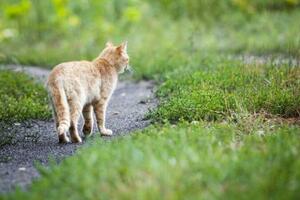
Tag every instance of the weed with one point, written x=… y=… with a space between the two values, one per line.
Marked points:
x=21 y=98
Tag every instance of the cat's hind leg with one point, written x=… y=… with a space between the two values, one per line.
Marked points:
x=61 y=112
x=75 y=109
x=87 y=113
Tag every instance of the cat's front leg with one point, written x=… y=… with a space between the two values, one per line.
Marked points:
x=87 y=113
x=100 y=111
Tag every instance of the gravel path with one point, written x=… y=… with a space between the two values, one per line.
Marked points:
x=37 y=140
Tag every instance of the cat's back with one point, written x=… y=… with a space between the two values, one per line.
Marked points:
x=70 y=70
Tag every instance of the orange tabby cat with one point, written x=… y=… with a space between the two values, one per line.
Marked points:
x=83 y=86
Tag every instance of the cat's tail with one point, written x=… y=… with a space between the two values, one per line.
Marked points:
x=60 y=107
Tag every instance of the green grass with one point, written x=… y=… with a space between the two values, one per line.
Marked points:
x=186 y=161
x=21 y=98
x=243 y=154
x=215 y=89
x=223 y=142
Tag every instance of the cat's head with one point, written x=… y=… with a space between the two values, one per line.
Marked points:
x=117 y=56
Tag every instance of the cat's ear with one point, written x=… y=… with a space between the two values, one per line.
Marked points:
x=122 y=47
x=109 y=44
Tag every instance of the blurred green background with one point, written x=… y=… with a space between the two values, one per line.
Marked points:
x=51 y=31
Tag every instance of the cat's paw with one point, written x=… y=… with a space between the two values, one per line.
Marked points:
x=87 y=130
x=63 y=139
x=76 y=139
x=106 y=132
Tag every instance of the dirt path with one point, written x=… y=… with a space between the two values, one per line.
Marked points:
x=267 y=59
x=37 y=140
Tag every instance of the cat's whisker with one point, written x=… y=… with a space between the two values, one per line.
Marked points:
x=129 y=69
